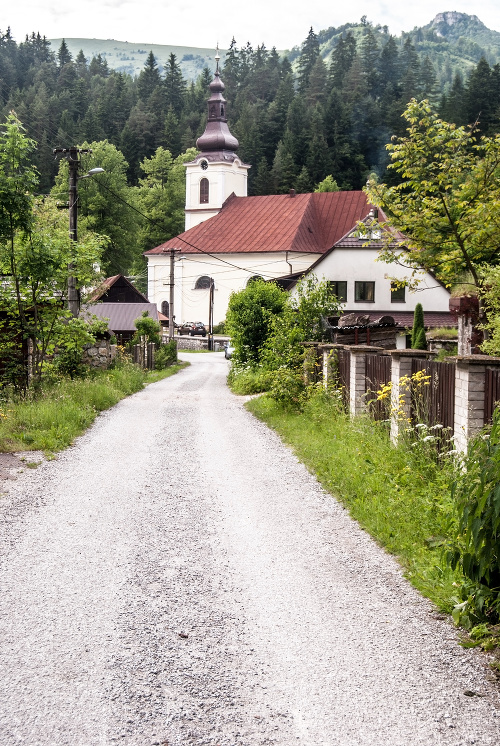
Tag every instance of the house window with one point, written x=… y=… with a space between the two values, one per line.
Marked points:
x=164 y=307
x=397 y=293
x=364 y=292
x=204 y=192
x=339 y=289
x=203 y=283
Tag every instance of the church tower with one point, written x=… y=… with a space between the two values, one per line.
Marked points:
x=216 y=172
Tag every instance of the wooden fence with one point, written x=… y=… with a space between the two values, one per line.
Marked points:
x=461 y=394
x=491 y=393
x=434 y=403
x=377 y=375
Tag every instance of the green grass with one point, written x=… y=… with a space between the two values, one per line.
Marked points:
x=400 y=495
x=52 y=420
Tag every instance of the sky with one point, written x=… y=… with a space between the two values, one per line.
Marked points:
x=282 y=23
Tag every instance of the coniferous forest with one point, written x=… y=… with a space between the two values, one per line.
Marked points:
x=297 y=121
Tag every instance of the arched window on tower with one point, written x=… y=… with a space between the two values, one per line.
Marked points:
x=165 y=307
x=202 y=283
x=204 y=192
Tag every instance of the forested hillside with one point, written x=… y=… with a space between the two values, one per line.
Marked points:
x=330 y=108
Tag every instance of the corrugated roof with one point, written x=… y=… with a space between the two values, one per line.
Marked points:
x=405 y=318
x=305 y=223
x=121 y=315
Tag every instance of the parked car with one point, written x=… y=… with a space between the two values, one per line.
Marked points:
x=228 y=350
x=192 y=328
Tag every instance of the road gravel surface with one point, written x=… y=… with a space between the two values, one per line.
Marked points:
x=178 y=577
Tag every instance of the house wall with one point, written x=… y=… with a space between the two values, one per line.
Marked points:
x=191 y=304
x=353 y=264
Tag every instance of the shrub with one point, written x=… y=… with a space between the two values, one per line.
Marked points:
x=147 y=328
x=477 y=549
x=249 y=318
x=418 y=340
x=166 y=355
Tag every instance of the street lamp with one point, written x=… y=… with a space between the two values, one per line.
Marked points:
x=72 y=155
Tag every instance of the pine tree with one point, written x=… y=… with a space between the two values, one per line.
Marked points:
x=418 y=329
x=63 y=55
x=308 y=56
x=175 y=85
x=341 y=60
x=149 y=78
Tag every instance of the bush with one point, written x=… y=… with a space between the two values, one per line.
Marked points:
x=477 y=549
x=247 y=379
x=220 y=328
x=418 y=339
x=166 y=355
x=249 y=318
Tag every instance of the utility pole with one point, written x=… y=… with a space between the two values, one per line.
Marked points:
x=172 y=253
x=211 y=315
x=72 y=155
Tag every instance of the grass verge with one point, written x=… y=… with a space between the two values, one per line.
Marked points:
x=400 y=495
x=65 y=410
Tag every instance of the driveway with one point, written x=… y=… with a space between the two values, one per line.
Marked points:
x=177 y=577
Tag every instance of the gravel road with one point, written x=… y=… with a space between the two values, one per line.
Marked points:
x=177 y=577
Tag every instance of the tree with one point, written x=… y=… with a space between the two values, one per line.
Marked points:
x=35 y=251
x=160 y=197
x=328 y=185
x=308 y=56
x=418 y=340
x=104 y=204
x=175 y=85
x=249 y=318
x=447 y=204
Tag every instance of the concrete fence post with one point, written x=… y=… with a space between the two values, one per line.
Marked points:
x=357 y=383
x=401 y=394
x=470 y=375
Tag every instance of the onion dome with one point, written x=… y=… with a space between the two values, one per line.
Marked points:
x=217 y=137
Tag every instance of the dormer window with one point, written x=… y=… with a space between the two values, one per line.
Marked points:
x=204 y=192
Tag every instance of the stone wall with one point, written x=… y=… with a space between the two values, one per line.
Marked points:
x=99 y=355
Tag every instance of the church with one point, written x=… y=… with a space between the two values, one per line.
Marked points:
x=231 y=239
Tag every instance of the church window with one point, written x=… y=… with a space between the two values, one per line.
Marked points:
x=204 y=192
x=203 y=283
x=164 y=307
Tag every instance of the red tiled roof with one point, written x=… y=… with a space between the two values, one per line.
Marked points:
x=306 y=223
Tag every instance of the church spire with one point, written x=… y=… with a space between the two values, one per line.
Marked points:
x=217 y=137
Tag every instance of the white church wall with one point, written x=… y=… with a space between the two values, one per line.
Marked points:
x=230 y=272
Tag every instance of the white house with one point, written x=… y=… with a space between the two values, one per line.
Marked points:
x=367 y=285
